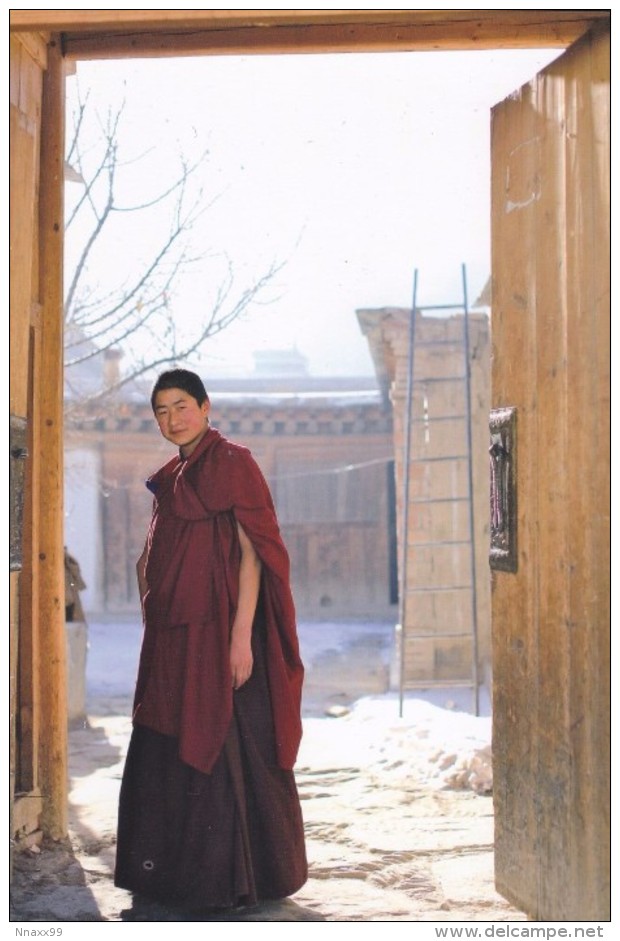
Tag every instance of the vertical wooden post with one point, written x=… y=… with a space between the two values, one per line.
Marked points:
x=48 y=391
x=28 y=62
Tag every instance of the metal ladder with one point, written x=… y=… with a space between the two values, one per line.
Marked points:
x=457 y=595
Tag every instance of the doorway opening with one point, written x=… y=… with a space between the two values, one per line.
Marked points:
x=338 y=175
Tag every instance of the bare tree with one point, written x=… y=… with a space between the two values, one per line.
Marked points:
x=120 y=291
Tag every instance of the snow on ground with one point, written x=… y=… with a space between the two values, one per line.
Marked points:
x=345 y=662
x=446 y=747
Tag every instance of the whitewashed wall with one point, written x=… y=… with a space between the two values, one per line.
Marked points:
x=82 y=520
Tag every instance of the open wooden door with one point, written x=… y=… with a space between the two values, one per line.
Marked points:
x=551 y=362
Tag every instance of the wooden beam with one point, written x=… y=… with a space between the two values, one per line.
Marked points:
x=301 y=39
x=122 y=21
x=119 y=33
x=98 y=21
x=48 y=390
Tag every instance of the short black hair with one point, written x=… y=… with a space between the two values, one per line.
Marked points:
x=190 y=382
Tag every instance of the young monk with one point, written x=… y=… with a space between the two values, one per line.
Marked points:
x=209 y=815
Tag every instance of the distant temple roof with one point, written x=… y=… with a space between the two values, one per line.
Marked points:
x=280 y=363
x=281 y=378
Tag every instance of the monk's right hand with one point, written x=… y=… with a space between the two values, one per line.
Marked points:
x=241 y=661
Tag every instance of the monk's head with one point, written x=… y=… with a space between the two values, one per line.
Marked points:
x=183 y=379
x=181 y=407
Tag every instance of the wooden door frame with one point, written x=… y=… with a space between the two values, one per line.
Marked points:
x=87 y=34
x=90 y=34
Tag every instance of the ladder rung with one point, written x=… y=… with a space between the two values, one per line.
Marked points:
x=418 y=591
x=444 y=684
x=442 y=500
x=460 y=306
x=436 y=636
x=440 y=379
x=435 y=460
x=439 y=542
x=457 y=341
x=436 y=418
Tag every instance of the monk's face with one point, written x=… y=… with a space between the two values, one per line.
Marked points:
x=181 y=419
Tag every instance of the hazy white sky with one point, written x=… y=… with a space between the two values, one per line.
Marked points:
x=356 y=168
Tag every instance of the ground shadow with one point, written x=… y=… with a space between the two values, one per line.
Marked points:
x=48 y=883
x=281 y=910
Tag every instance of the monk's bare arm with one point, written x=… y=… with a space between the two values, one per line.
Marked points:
x=241 y=661
x=141 y=573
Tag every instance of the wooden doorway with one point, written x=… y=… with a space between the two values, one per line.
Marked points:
x=40 y=40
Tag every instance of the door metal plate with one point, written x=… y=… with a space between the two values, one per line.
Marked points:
x=503 y=489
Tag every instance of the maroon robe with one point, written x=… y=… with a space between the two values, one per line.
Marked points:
x=209 y=813
x=184 y=686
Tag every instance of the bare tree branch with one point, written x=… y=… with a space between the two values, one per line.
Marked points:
x=135 y=310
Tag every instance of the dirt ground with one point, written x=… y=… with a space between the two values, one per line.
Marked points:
x=395 y=829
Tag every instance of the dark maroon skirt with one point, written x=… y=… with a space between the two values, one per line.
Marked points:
x=229 y=838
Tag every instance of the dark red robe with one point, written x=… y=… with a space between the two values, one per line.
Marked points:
x=209 y=813
x=184 y=687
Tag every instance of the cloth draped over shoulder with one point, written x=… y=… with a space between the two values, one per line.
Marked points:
x=184 y=685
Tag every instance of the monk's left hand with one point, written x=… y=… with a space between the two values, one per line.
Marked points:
x=241 y=661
